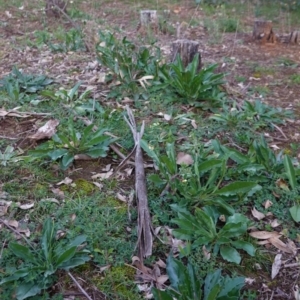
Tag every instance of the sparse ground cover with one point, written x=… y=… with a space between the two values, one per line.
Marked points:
x=224 y=193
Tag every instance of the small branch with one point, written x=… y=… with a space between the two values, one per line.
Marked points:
x=279 y=129
x=79 y=286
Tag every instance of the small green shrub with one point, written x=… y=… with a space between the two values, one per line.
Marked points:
x=65 y=147
x=186 y=286
x=39 y=265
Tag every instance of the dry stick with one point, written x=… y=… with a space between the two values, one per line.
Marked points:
x=145 y=238
x=79 y=286
x=279 y=129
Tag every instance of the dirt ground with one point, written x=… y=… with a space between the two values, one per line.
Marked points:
x=263 y=68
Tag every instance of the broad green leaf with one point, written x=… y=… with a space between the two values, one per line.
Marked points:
x=230 y=230
x=238 y=218
x=17 y=275
x=97 y=152
x=295 y=212
x=230 y=254
x=290 y=171
x=77 y=241
x=48 y=238
x=54 y=155
x=209 y=164
x=176 y=271
x=150 y=152
x=210 y=282
x=23 y=252
x=231 y=288
x=67 y=255
x=161 y=295
x=67 y=160
x=246 y=246
x=213 y=294
x=73 y=91
x=26 y=290
x=74 y=262
x=237 y=187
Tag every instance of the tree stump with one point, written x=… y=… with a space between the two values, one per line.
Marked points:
x=263 y=32
x=186 y=49
x=148 y=17
x=294 y=38
x=55 y=8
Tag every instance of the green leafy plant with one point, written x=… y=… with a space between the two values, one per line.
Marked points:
x=7 y=155
x=190 y=83
x=130 y=66
x=68 y=96
x=40 y=264
x=199 y=184
x=73 y=41
x=292 y=174
x=254 y=115
x=186 y=286
x=25 y=83
x=65 y=147
x=201 y=229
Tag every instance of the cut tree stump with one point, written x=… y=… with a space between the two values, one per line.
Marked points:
x=263 y=32
x=295 y=38
x=148 y=18
x=187 y=50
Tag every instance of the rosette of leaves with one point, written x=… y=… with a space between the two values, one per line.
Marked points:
x=64 y=147
x=186 y=286
x=193 y=85
x=39 y=264
x=201 y=229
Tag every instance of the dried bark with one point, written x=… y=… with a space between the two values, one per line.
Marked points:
x=145 y=238
x=263 y=32
x=186 y=49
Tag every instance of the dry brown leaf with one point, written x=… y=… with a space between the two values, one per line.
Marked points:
x=59 y=193
x=193 y=123
x=82 y=157
x=282 y=184
x=249 y=281
x=12 y=113
x=161 y=264
x=275 y=223
x=264 y=235
x=264 y=242
x=26 y=206
x=276 y=242
x=162 y=279
x=66 y=181
x=292 y=246
x=52 y=200
x=267 y=204
x=4 y=205
x=206 y=253
x=276 y=265
x=257 y=214
x=13 y=223
x=184 y=159
x=98 y=185
x=46 y=131
x=121 y=197
x=103 y=175
x=26 y=231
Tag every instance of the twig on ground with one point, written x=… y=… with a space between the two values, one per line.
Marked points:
x=79 y=286
x=279 y=129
